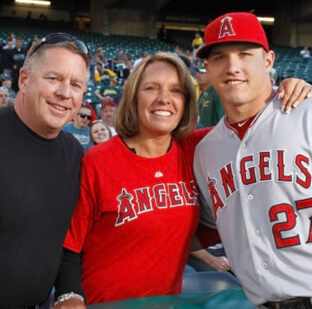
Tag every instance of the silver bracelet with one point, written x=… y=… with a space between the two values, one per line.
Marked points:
x=67 y=296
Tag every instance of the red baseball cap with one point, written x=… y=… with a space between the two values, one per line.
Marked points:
x=107 y=101
x=233 y=27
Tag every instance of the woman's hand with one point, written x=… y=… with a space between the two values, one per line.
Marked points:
x=218 y=263
x=292 y=92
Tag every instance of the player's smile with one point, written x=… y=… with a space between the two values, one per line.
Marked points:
x=235 y=82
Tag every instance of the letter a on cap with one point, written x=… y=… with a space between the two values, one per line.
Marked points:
x=226 y=27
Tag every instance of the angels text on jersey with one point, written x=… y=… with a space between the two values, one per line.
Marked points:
x=255 y=168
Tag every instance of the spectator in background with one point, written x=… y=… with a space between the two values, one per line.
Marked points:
x=108 y=91
x=128 y=67
x=210 y=109
x=32 y=43
x=81 y=24
x=98 y=57
x=137 y=61
x=194 y=81
x=93 y=113
x=103 y=76
x=305 y=52
x=196 y=43
x=18 y=58
x=99 y=132
x=119 y=59
x=118 y=97
x=6 y=81
x=178 y=50
x=12 y=39
x=189 y=56
x=79 y=127
x=107 y=114
x=161 y=33
x=7 y=58
x=4 y=97
x=40 y=168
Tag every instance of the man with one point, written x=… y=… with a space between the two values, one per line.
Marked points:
x=79 y=128
x=194 y=81
x=18 y=57
x=39 y=169
x=6 y=82
x=110 y=91
x=210 y=109
x=196 y=43
x=4 y=97
x=107 y=113
x=103 y=76
x=7 y=52
x=254 y=169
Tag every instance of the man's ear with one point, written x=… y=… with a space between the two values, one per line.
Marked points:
x=269 y=60
x=206 y=65
x=23 y=79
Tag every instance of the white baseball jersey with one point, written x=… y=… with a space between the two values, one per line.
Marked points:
x=259 y=192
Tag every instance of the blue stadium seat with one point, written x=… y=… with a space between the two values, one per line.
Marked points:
x=205 y=281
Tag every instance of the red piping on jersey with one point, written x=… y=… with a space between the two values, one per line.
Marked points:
x=253 y=120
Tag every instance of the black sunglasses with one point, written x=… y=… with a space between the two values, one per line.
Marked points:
x=83 y=116
x=55 y=38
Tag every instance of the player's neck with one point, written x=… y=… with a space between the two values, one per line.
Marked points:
x=240 y=112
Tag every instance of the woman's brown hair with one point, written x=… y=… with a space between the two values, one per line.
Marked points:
x=126 y=118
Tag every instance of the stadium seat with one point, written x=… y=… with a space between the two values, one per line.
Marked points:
x=205 y=281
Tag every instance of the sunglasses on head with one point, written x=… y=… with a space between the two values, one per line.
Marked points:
x=55 y=38
x=83 y=116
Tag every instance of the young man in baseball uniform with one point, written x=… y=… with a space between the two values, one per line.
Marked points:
x=254 y=169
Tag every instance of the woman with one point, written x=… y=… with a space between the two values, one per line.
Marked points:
x=99 y=132
x=138 y=207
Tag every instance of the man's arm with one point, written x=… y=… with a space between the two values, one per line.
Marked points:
x=69 y=292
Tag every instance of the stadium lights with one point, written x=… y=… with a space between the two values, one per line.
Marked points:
x=34 y=2
x=266 y=20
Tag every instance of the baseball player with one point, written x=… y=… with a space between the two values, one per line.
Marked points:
x=254 y=169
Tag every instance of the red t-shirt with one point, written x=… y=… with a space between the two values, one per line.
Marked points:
x=135 y=220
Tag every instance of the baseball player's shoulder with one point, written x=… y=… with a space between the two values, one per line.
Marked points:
x=211 y=136
x=306 y=105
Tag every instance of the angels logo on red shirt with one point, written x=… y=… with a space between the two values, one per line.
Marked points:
x=159 y=196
